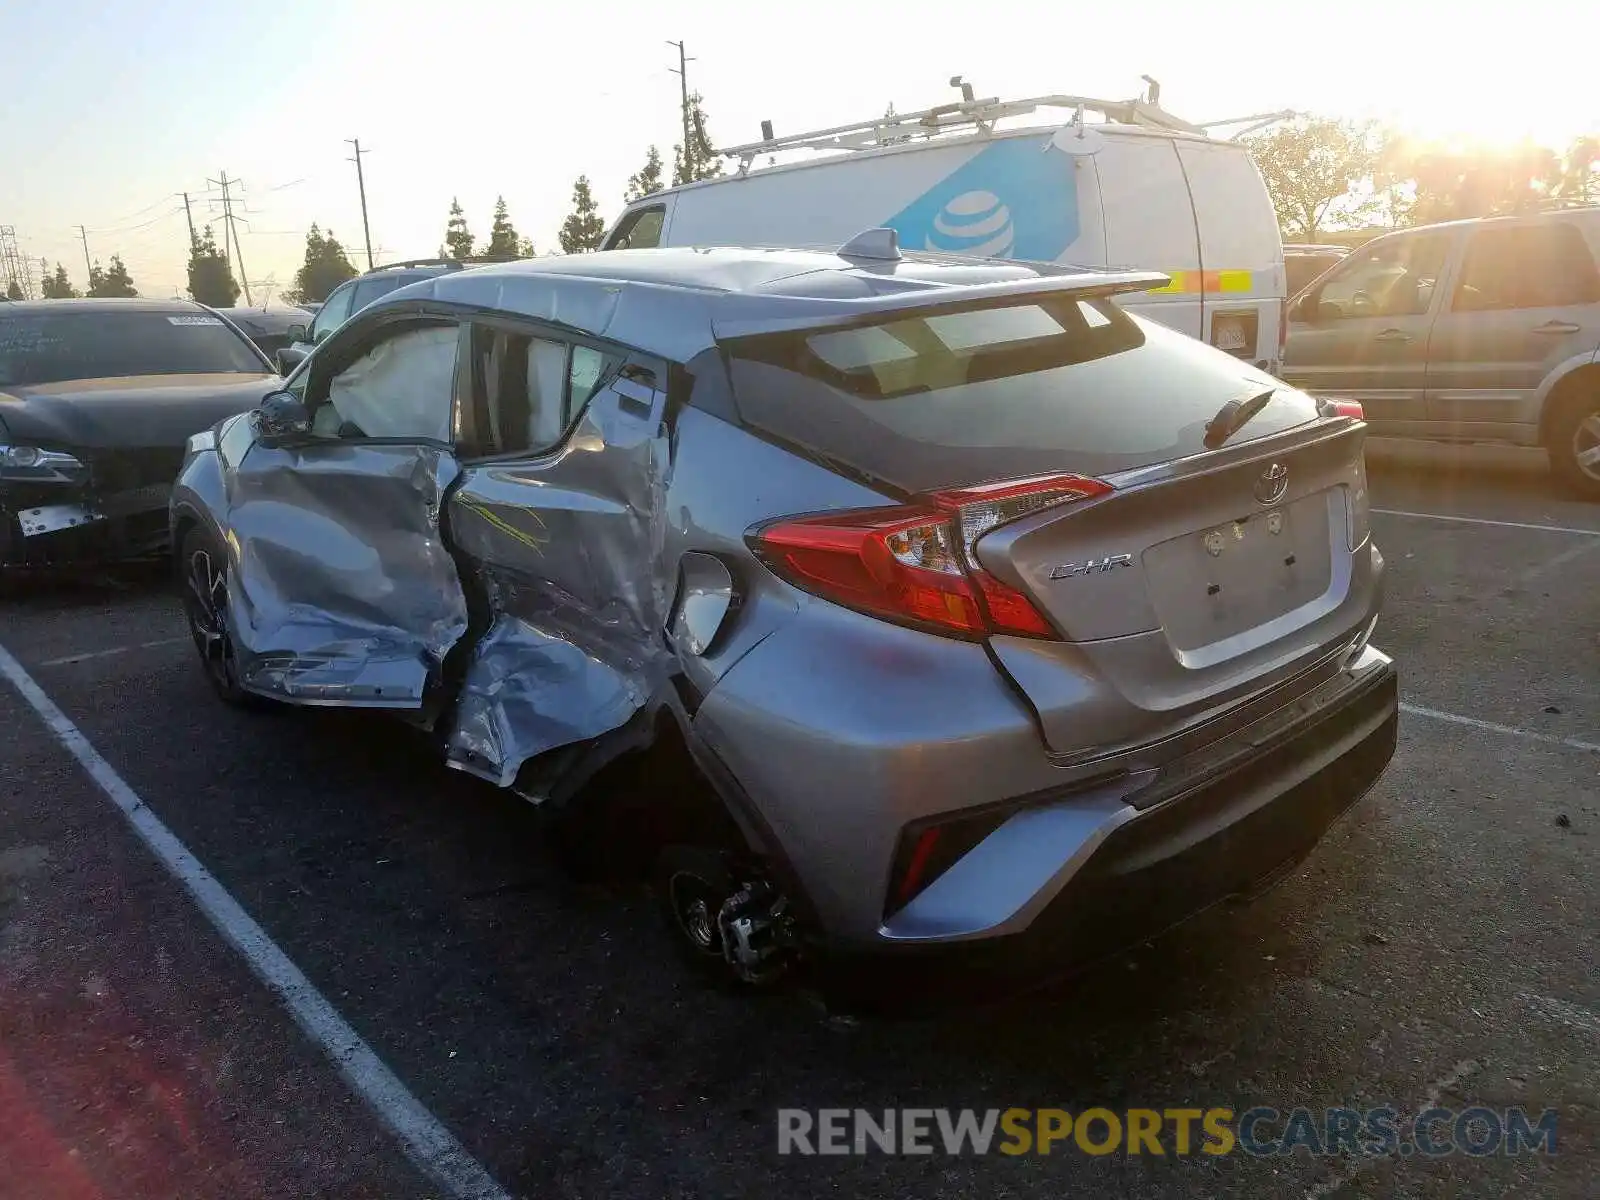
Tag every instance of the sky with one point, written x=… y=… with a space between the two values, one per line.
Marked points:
x=113 y=108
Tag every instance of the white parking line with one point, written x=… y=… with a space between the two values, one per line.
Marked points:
x=426 y=1142
x=93 y=654
x=1400 y=512
x=1434 y=714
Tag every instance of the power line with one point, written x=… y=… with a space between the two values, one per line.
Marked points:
x=229 y=231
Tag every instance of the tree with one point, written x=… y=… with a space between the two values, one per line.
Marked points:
x=114 y=281
x=326 y=266
x=525 y=247
x=1452 y=183
x=1312 y=168
x=697 y=160
x=583 y=229
x=1580 y=171
x=58 y=286
x=211 y=278
x=648 y=179
x=457 y=237
x=14 y=291
x=503 y=240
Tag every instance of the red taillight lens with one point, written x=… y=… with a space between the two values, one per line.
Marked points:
x=1342 y=408
x=914 y=564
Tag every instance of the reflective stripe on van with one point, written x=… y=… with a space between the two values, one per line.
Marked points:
x=1205 y=282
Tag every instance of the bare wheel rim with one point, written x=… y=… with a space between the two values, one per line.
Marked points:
x=695 y=906
x=206 y=599
x=1586 y=445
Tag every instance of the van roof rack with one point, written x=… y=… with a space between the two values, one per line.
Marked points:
x=971 y=112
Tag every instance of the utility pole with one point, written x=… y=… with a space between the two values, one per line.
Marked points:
x=227 y=217
x=682 y=72
x=362 y=184
x=189 y=217
x=89 y=279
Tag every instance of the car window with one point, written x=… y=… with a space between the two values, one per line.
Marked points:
x=640 y=230
x=402 y=387
x=1392 y=278
x=1527 y=266
x=333 y=312
x=49 y=347
x=531 y=389
x=369 y=290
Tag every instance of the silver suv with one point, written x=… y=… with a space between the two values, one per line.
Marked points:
x=963 y=607
x=1472 y=331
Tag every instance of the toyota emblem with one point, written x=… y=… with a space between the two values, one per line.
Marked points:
x=1274 y=482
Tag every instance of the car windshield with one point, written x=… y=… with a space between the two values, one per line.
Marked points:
x=44 y=347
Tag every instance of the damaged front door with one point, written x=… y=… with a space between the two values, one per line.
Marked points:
x=343 y=590
x=560 y=519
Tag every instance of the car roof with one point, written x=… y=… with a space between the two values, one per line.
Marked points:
x=1582 y=212
x=272 y=319
x=677 y=301
x=1308 y=248
x=101 y=304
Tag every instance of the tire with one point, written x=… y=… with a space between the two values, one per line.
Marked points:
x=1575 y=432
x=203 y=577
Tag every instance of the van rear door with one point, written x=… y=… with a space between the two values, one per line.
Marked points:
x=1241 y=253
x=1150 y=224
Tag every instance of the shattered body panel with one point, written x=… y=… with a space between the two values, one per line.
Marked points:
x=343 y=591
x=566 y=551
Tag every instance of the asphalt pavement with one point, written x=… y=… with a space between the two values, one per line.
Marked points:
x=1438 y=949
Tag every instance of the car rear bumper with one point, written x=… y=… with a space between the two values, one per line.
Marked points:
x=1232 y=836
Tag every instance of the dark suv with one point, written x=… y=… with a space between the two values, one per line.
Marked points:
x=351 y=296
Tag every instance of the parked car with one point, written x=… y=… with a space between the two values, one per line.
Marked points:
x=353 y=295
x=978 y=610
x=1143 y=189
x=1471 y=331
x=97 y=400
x=1303 y=262
x=271 y=328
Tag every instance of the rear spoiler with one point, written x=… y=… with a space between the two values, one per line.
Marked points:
x=749 y=314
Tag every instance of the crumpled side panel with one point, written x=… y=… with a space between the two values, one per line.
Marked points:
x=569 y=552
x=342 y=591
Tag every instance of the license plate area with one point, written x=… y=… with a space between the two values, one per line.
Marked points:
x=1235 y=576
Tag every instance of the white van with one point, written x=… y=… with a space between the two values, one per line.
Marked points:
x=1142 y=189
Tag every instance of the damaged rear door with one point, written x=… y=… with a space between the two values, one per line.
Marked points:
x=559 y=521
x=344 y=592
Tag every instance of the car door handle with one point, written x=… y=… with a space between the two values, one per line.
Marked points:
x=1393 y=335
x=1557 y=327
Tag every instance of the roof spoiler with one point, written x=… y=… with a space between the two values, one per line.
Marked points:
x=778 y=314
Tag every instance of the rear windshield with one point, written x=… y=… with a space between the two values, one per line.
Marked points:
x=40 y=347
x=952 y=398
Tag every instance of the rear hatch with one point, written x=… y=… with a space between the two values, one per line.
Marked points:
x=1203 y=576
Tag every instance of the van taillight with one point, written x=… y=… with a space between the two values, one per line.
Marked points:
x=914 y=563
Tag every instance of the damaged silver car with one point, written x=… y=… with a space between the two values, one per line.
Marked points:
x=987 y=617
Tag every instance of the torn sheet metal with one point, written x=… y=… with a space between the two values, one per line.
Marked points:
x=568 y=552
x=343 y=590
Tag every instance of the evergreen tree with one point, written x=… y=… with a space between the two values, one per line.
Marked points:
x=14 y=291
x=58 y=286
x=696 y=161
x=525 y=247
x=326 y=266
x=503 y=240
x=647 y=181
x=113 y=281
x=583 y=229
x=211 y=278
x=457 y=237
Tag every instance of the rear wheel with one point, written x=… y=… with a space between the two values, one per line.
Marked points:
x=203 y=574
x=1575 y=443
x=729 y=928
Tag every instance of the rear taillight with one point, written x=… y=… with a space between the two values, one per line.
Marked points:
x=1341 y=408
x=914 y=564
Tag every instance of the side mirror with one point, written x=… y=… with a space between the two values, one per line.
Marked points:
x=297 y=333
x=289 y=357
x=322 y=336
x=280 y=419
